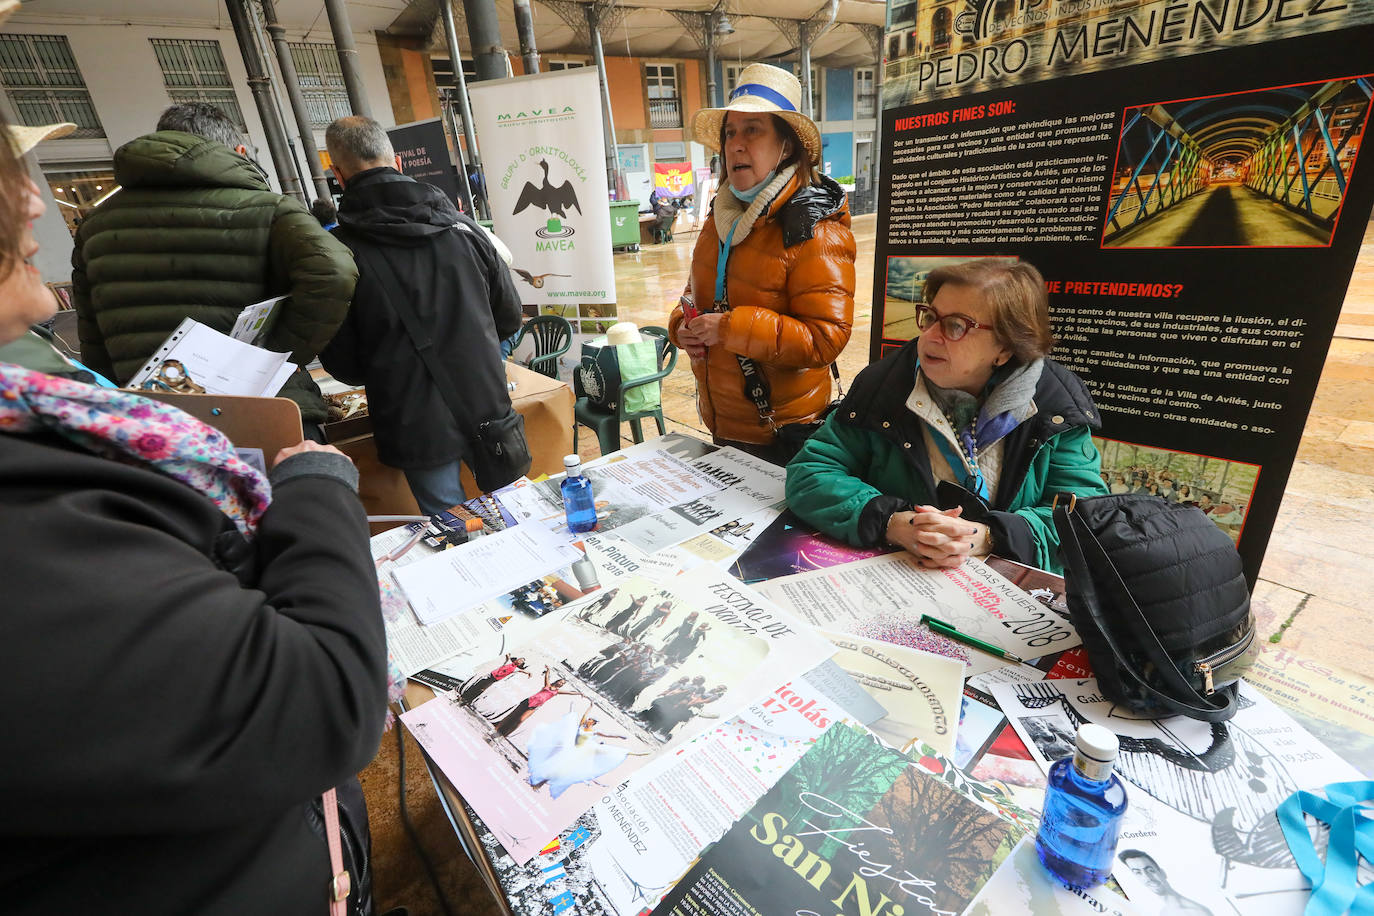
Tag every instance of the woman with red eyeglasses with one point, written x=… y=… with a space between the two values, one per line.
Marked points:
x=956 y=445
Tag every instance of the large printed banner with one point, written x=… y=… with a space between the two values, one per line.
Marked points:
x=545 y=161
x=1186 y=175
x=423 y=149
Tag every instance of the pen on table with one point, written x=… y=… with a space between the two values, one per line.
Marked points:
x=944 y=629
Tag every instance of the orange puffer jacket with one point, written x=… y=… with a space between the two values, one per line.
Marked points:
x=790 y=286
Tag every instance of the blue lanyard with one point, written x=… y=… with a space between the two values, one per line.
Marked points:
x=973 y=479
x=1348 y=811
x=721 y=260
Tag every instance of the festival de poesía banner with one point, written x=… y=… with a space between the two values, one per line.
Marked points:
x=1185 y=174
x=544 y=155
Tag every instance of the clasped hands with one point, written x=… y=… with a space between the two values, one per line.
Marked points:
x=939 y=539
x=700 y=332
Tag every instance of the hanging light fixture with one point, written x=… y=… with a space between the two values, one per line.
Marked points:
x=723 y=26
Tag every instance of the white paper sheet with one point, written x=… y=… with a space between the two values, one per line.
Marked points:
x=216 y=362
x=884 y=597
x=464 y=577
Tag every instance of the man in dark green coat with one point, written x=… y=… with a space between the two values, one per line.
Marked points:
x=195 y=232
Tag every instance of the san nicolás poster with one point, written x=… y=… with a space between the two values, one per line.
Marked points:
x=856 y=829
x=1185 y=174
x=544 y=154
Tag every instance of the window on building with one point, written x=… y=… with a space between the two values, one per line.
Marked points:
x=44 y=83
x=193 y=71
x=939 y=29
x=321 y=81
x=443 y=71
x=665 y=107
x=564 y=65
x=732 y=72
x=901 y=14
x=865 y=93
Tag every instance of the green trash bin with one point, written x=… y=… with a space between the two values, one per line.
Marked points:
x=625 y=224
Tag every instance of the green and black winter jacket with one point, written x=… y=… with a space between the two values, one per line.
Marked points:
x=869 y=460
x=196 y=232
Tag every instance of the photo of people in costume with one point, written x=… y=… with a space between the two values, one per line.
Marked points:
x=601 y=685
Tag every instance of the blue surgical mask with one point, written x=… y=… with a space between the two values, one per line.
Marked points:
x=749 y=194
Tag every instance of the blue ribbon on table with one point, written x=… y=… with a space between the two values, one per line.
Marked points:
x=1347 y=809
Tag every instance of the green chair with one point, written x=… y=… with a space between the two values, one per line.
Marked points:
x=552 y=338
x=606 y=422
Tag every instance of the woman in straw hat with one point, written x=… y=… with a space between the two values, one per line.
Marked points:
x=770 y=302
x=222 y=651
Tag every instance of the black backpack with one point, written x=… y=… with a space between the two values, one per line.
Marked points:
x=1158 y=593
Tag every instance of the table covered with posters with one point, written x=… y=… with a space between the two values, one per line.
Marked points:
x=962 y=758
x=545 y=403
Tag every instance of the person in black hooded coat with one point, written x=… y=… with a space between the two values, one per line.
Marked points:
x=447 y=269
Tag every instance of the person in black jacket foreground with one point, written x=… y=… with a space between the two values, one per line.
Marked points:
x=191 y=657
x=415 y=250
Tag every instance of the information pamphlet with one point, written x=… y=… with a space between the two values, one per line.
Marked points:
x=598 y=690
x=1022 y=885
x=852 y=827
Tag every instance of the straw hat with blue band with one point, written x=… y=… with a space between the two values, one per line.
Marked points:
x=761 y=88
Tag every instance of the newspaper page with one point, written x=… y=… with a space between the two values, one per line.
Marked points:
x=605 y=685
x=745 y=485
x=624 y=489
x=1200 y=832
x=417 y=648
x=884 y=597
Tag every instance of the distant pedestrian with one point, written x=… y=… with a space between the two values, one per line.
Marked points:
x=324 y=210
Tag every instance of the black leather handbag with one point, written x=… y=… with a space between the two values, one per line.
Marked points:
x=1158 y=593
x=501 y=454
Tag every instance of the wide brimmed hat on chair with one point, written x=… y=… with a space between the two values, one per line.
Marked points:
x=762 y=88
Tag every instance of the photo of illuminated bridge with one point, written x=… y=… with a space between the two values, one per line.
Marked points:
x=1260 y=169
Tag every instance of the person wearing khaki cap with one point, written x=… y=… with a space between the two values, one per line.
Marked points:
x=770 y=302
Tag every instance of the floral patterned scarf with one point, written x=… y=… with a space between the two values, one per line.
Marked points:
x=125 y=427
x=131 y=429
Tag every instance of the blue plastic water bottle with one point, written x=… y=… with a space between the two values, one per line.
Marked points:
x=1084 y=804
x=577 y=497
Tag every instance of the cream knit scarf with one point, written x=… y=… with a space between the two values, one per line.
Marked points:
x=728 y=208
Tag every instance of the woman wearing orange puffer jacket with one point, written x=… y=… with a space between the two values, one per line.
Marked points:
x=761 y=355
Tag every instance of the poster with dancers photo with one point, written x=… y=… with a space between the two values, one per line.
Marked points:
x=1200 y=834
x=533 y=737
